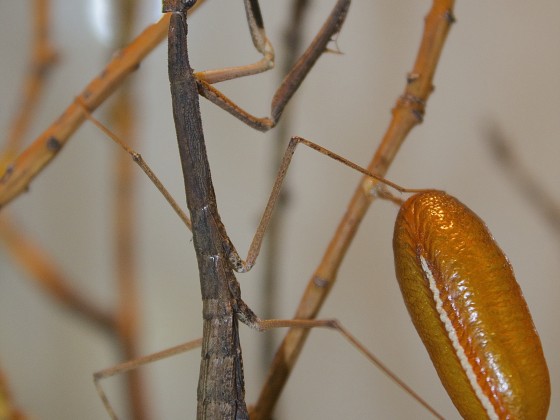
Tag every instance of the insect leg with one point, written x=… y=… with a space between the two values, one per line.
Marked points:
x=261 y=43
x=263 y=325
x=139 y=160
x=134 y=364
x=290 y=83
x=241 y=265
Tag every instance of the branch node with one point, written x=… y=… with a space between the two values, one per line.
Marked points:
x=53 y=144
x=320 y=282
x=450 y=17
x=412 y=77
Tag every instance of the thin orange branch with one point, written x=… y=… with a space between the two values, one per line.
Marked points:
x=43 y=57
x=128 y=306
x=46 y=274
x=407 y=113
x=122 y=113
x=270 y=279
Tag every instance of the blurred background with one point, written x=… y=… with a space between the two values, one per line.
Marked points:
x=499 y=69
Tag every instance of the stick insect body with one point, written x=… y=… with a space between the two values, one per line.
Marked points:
x=221 y=352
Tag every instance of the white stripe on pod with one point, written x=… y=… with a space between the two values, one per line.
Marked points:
x=459 y=351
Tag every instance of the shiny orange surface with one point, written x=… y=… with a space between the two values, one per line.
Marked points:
x=469 y=310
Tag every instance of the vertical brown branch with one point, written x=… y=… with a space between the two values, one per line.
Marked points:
x=407 y=113
x=122 y=113
x=127 y=312
x=43 y=56
x=292 y=45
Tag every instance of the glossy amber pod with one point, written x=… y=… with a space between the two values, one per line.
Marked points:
x=469 y=311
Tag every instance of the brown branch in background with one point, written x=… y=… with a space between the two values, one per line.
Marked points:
x=407 y=113
x=8 y=409
x=522 y=178
x=43 y=57
x=292 y=46
x=122 y=113
x=127 y=313
x=40 y=268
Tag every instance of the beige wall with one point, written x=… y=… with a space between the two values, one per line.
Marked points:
x=501 y=64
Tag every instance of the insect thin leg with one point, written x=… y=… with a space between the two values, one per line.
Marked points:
x=268 y=324
x=261 y=43
x=139 y=160
x=134 y=364
x=254 y=249
x=290 y=83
